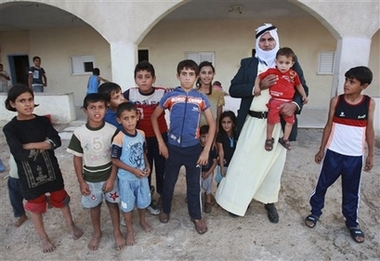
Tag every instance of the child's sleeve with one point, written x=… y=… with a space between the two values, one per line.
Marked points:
x=75 y=147
x=117 y=145
x=297 y=80
x=52 y=135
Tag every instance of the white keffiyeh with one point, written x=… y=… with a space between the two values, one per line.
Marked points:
x=267 y=56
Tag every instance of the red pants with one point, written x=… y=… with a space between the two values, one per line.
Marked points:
x=58 y=199
x=274 y=112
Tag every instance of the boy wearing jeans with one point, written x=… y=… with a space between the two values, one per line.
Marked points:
x=183 y=148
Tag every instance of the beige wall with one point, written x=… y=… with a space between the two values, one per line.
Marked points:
x=55 y=47
x=233 y=40
x=167 y=43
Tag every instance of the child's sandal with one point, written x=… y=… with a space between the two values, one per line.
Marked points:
x=285 y=143
x=269 y=144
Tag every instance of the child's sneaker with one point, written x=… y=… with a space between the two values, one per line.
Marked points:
x=153 y=209
x=2 y=167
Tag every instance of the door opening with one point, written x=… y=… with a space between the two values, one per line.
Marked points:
x=19 y=67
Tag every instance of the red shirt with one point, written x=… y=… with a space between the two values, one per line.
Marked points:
x=285 y=86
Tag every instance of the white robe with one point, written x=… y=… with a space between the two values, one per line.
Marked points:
x=253 y=172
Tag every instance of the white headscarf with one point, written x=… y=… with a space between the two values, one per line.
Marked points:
x=267 y=56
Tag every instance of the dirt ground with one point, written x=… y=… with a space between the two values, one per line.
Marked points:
x=251 y=237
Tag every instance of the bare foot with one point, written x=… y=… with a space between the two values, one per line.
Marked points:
x=120 y=241
x=77 y=232
x=130 y=238
x=94 y=242
x=47 y=245
x=147 y=228
x=20 y=220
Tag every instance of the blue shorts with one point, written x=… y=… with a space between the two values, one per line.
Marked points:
x=97 y=194
x=207 y=183
x=134 y=193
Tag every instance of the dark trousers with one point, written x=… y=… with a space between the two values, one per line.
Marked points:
x=15 y=197
x=187 y=157
x=159 y=161
x=349 y=168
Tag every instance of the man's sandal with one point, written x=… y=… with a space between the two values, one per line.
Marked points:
x=356 y=233
x=200 y=225
x=269 y=144
x=311 y=221
x=285 y=143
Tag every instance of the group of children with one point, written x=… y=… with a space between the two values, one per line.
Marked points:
x=113 y=153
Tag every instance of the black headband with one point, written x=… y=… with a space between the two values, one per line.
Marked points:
x=265 y=30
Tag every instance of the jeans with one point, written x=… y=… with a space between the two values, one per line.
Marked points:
x=15 y=197
x=187 y=157
x=159 y=161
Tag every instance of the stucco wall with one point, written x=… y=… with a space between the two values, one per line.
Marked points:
x=233 y=40
x=55 y=49
x=167 y=43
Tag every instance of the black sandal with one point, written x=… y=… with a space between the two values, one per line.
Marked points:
x=312 y=219
x=356 y=232
x=269 y=144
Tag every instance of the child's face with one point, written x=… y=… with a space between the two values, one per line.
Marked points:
x=204 y=138
x=37 y=62
x=284 y=63
x=353 y=86
x=116 y=99
x=144 y=81
x=129 y=120
x=95 y=113
x=187 y=78
x=206 y=75
x=24 y=104
x=227 y=124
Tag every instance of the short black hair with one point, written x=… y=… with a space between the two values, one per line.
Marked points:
x=93 y=97
x=286 y=51
x=145 y=66
x=108 y=88
x=125 y=106
x=204 y=129
x=96 y=71
x=187 y=64
x=362 y=73
x=36 y=57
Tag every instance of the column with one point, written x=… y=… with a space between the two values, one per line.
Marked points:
x=350 y=52
x=123 y=61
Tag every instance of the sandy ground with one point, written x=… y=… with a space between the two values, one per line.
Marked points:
x=251 y=237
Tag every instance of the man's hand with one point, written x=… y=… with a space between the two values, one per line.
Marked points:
x=268 y=81
x=288 y=109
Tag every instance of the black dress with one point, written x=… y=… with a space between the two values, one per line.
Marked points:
x=38 y=171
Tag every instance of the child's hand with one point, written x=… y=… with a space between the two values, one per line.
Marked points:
x=108 y=185
x=147 y=171
x=140 y=173
x=224 y=172
x=257 y=91
x=319 y=156
x=163 y=150
x=203 y=158
x=205 y=175
x=84 y=189
x=368 y=164
x=305 y=100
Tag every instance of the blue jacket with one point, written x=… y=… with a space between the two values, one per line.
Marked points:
x=185 y=111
